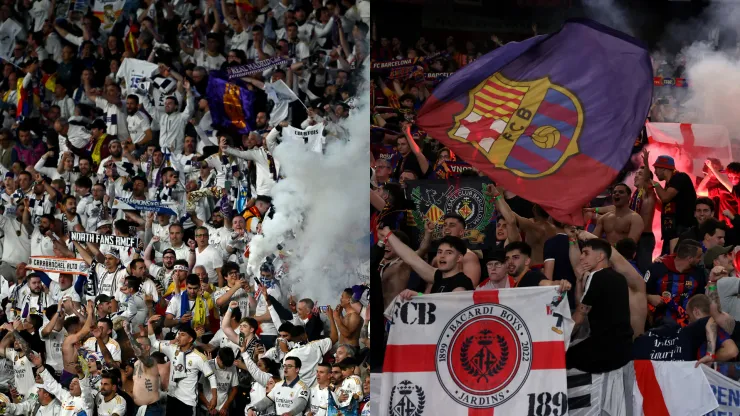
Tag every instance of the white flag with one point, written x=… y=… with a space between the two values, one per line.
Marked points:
x=486 y=352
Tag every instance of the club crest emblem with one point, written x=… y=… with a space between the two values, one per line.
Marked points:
x=484 y=356
x=407 y=399
x=529 y=128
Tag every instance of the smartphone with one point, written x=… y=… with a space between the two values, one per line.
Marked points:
x=242 y=276
x=323 y=308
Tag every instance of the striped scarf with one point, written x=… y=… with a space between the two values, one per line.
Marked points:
x=273 y=169
x=636 y=200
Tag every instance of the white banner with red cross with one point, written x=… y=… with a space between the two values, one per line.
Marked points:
x=477 y=353
x=689 y=144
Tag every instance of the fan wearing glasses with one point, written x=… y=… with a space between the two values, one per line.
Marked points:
x=622 y=222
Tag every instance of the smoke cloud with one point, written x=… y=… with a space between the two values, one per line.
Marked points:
x=608 y=13
x=321 y=211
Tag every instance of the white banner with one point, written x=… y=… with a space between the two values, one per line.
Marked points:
x=486 y=352
x=312 y=137
x=727 y=392
x=58 y=265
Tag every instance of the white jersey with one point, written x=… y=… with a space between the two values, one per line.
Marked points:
x=226 y=379
x=352 y=386
x=319 y=400
x=71 y=405
x=284 y=395
x=311 y=355
x=185 y=371
x=115 y=406
x=134 y=72
x=23 y=368
x=115 y=350
x=268 y=328
x=53 y=343
x=239 y=296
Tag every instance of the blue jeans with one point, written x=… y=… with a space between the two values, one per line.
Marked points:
x=154 y=410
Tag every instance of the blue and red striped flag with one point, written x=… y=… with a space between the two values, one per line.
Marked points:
x=553 y=118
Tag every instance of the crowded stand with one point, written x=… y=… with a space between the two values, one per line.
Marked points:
x=140 y=145
x=649 y=266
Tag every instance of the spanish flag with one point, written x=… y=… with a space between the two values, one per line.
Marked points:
x=130 y=35
x=28 y=98
x=50 y=81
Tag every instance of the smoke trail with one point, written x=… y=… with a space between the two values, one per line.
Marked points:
x=321 y=210
x=607 y=12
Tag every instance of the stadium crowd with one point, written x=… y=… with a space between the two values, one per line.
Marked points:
x=132 y=187
x=681 y=304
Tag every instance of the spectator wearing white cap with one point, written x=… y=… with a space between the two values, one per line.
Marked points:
x=45 y=404
x=75 y=400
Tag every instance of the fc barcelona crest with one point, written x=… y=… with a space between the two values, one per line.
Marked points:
x=528 y=128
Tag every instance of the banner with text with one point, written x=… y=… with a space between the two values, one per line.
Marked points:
x=111 y=240
x=255 y=67
x=727 y=392
x=61 y=265
x=484 y=352
x=150 y=206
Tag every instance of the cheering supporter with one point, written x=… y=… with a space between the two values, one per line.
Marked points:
x=125 y=162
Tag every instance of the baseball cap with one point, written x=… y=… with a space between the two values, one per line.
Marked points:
x=113 y=252
x=104 y=223
x=498 y=255
x=713 y=253
x=169 y=250
x=665 y=162
x=102 y=299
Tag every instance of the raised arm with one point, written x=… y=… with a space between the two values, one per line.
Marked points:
x=145 y=358
x=422 y=268
x=226 y=326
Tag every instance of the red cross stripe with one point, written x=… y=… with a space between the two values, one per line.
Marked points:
x=546 y=355
x=480 y=129
x=689 y=146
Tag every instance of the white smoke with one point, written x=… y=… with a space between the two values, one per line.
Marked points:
x=321 y=210
x=609 y=13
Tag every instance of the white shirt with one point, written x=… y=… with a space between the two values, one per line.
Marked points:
x=239 y=296
x=16 y=249
x=114 y=118
x=311 y=355
x=23 y=368
x=66 y=106
x=166 y=277
x=319 y=400
x=138 y=124
x=268 y=328
x=56 y=293
x=284 y=395
x=172 y=126
x=226 y=379
x=220 y=340
x=211 y=259
x=258 y=155
x=116 y=406
x=195 y=364
x=352 y=386
x=211 y=63
x=53 y=343
x=39 y=12
x=71 y=405
x=41 y=245
x=115 y=350
x=109 y=283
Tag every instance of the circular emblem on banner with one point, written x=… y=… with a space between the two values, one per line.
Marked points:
x=469 y=204
x=484 y=355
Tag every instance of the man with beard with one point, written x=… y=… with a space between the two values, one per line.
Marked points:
x=32 y=298
x=115 y=151
x=261 y=122
x=218 y=235
x=85 y=167
x=19 y=356
x=518 y=260
x=139 y=127
x=188 y=162
x=236 y=243
x=446 y=277
x=623 y=222
x=162 y=274
x=17 y=241
x=69 y=217
x=107 y=277
x=172 y=122
x=454 y=225
x=188 y=365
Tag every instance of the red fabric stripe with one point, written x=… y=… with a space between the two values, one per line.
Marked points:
x=558 y=112
x=688 y=136
x=485 y=296
x=548 y=355
x=497 y=115
x=481 y=412
x=504 y=89
x=492 y=104
x=502 y=98
x=398 y=359
x=653 y=403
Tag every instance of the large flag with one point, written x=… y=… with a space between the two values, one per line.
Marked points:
x=464 y=196
x=488 y=352
x=676 y=388
x=230 y=104
x=553 y=118
x=689 y=144
x=108 y=12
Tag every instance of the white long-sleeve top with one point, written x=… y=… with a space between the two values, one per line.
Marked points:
x=26 y=407
x=172 y=126
x=259 y=156
x=71 y=405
